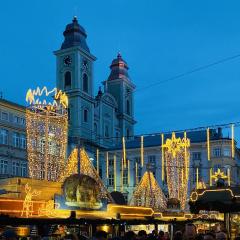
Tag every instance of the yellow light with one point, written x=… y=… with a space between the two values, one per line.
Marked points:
x=97 y=156
x=197 y=177
x=124 y=153
x=210 y=178
x=142 y=152
x=148 y=193
x=107 y=164
x=208 y=144
x=162 y=147
x=136 y=172
x=218 y=174
x=128 y=172
x=122 y=175
x=115 y=172
x=233 y=142
x=229 y=177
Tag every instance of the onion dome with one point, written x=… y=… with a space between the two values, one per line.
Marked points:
x=75 y=35
x=119 y=69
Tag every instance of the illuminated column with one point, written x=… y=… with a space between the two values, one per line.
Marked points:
x=210 y=177
x=122 y=168
x=107 y=164
x=97 y=158
x=233 y=142
x=136 y=172
x=115 y=172
x=185 y=155
x=142 y=152
x=229 y=176
x=208 y=144
x=124 y=153
x=197 y=178
x=162 y=147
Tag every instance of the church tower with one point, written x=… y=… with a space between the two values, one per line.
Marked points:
x=75 y=77
x=121 y=87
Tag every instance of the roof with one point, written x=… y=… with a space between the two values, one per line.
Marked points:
x=75 y=35
x=4 y=101
x=155 y=140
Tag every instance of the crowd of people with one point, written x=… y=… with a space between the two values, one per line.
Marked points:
x=188 y=233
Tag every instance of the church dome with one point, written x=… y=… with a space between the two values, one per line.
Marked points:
x=75 y=35
x=119 y=69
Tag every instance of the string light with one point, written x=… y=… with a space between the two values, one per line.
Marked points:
x=177 y=164
x=97 y=156
x=136 y=172
x=233 y=141
x=46 y=127
x=122 y=175
x=148 y=193
x=162 y=147
x=229 y=177
x=197 y=177
x=210 y=178
x=208 y=144
x=124 y=152
x=142 y=152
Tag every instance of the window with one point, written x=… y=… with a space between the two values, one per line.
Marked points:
x=19 y=120
x=15 y=168
x=196 y=156
x=110 y=162
x=138 y=160
x=4 y=116
x=23 y=172
x=16 y=139
x=67 y=79
x=3 y=166
x=128 y=107
x=85 y=83
x=217 y=152
x=226 y=152
x=22 y=141
x=85 y=115
x=125 y=177
x=152 y=160
x=110 y=179
x=3 y=136
x=106 y=131
x=194 y=175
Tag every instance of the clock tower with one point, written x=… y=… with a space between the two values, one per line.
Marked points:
x=75 y=77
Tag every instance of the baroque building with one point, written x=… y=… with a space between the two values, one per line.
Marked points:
x=99 y=121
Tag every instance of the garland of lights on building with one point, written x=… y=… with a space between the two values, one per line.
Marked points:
x=148 y=193
x=177 y=167
x=46 y=127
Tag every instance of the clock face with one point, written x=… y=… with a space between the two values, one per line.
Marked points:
x=67 y=61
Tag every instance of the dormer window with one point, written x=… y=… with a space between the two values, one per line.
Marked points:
x=67 y=80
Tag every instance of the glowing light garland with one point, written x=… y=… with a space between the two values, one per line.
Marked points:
x=162 y=147
x=124 y=153
x=208 y=144
x=149 y=194
x=233 y=141
x=87 y=168
x=142 y=151
x=177 y=167
x=46 y=127
x=97 y=157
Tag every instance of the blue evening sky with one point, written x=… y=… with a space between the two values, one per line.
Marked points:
x=158 y=39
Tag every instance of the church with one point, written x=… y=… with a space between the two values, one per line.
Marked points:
x=100 y=120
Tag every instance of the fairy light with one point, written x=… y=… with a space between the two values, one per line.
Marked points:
x=208 y=144
x=115 y=172
x=122 y=169
x=107 y=169
x=177 y=164
x=162 y=147
x=47 y=128
x=87 y=168
x=97 y=156
x=124 y=153
x=233 y=142
x=128 y=172
x=136 y=172
x=197 y=177
x=142 y=152
x=210 y=177
x=229 y=177
x=148 y=193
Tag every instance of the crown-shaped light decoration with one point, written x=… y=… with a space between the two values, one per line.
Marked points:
x=219 y=174
x=60 y=98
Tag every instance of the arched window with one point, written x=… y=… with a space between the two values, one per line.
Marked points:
x=67 y=79
x=85 y=83
x=85 y=115
x=128 y=107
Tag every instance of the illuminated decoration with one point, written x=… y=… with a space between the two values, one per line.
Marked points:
x=122 y=175
x=176 y=151
x=210 y=177
x=47 y=127
x=97 y=157
x=201 y=185
x=80 y=157
x=48 y=209
x=162 y=147
x=148 y=193
x=208 y=144
x=124 y=153
x=229 y=177
x=107 y=164
x=142 y=152
x=233 y=142
x=27 y=209
x=136 y=172
x=115 y=172
x=197 y=178
x=218 y=174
